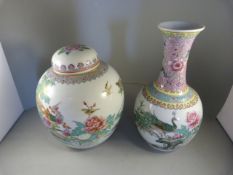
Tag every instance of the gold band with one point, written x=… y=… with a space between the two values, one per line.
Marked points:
x=167 y=105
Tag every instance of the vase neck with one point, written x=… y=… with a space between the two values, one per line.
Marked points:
x=177 y=46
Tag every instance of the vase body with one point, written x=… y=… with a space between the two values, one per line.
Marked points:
x=168 y=112
x=80 y=98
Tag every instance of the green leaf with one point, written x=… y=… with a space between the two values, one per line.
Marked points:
x=52 y=118
x=183 y=131
x=79 y=129
x=110 y=121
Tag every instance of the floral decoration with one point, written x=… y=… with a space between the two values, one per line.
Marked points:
x=94 y=124
x=81 y=78
x=92 y=128
x=177 y=65
x=68 y=49
x=176 y=52
x=167 y=139
x=193 y=119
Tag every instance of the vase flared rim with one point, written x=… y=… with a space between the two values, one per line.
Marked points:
x=180 y=26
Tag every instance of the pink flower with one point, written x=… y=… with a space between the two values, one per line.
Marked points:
x=94 y=124
x=177 y=65
x=193 y=119
x=178 y=136
x=59 y=120
x=66 y=132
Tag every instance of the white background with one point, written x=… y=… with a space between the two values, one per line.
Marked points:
x=10 y=104
x=225 y=115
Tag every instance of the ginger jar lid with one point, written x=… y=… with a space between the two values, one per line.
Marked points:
x=74 y=59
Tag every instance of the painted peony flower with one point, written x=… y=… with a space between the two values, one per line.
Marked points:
x=193 y=119
x=94 y=124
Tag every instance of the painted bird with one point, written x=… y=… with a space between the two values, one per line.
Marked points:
x=89 y=109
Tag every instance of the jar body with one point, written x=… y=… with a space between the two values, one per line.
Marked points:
x=82 y=111
x=166 y=126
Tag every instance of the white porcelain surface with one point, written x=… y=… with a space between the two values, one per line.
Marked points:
x=168 y=112
x=166 y=116
x=81 y=110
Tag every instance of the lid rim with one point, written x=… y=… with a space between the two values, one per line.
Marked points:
x=78 y=71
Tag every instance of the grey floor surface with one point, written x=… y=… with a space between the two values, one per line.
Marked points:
x=29 y=149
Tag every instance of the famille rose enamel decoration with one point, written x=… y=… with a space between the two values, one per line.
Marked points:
x=168 y=112
x=80 y=98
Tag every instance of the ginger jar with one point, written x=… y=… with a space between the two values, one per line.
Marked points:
x=80 y=98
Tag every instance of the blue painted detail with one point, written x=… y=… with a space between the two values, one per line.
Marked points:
x=170 y=99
